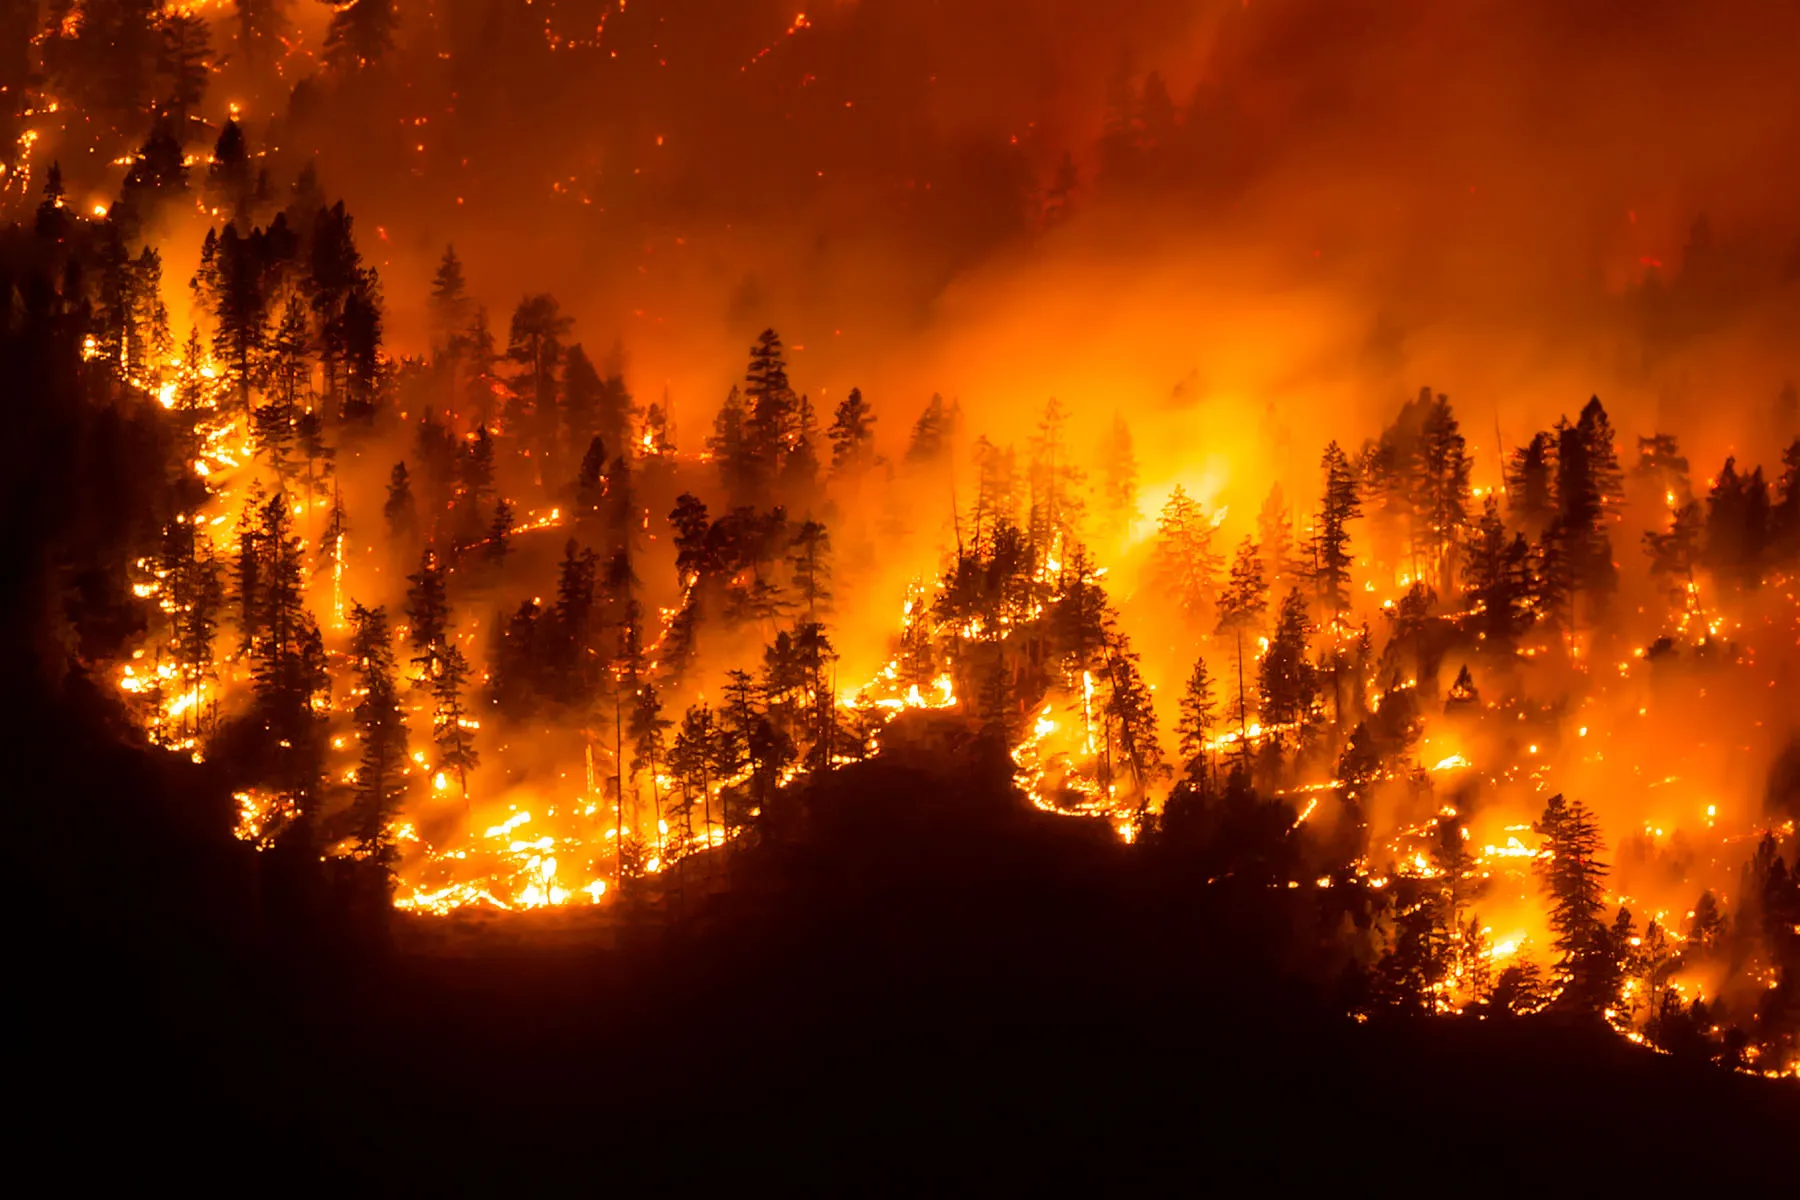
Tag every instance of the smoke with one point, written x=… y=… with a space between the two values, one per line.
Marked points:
x=1518 y=203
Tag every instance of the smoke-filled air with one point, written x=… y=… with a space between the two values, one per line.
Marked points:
x=517 y=469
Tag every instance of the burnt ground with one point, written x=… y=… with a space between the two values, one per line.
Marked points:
x=914 y=982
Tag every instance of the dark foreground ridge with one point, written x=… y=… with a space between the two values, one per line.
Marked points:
x=913 y=977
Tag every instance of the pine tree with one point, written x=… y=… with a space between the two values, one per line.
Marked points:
x=1607 y=480
x=1707 y=928
x=659 y=428
x=1440 y=499
x=334 y=273
x=337 y=528
x=1079 y=622
x=729 y=445
x=158 y=174
x=287 y=655
x=228 y=180
x=1056 y=507
x=259 y=26
x=1121 y=479
x=1575 y=877
x=287 y=365
x=1246 y=596
x=1182 y=560
x=476 y=467
x=996 y=505
x=813 y=655
x=381 y=727
x=1531 y=485
x=1737 y=526
x=272 y=427
x=1497 y=579
x=1674 y=552
x=360 y=330
x=625 y=518
x=648 y=730
x=1131 y=715
x=770 y=426
x=852 y=435
x=1199 y=709
x=1784 y=516
x=450 y=727
x=1662 y=464
x=402 y=516
x=931 y=434
x=1339 y=507
x=574 y=664
x=581 y=397
x=1286 y=679
x=476 y=350
x=147 y=337
x=428 y=619
x=1275 y=534
x=247 y=581
x=239 y=308
x=195 y=590
x=360 y=32
x=800 y=465
x=450 y=304
x=54 y=217
x=499 y=534
x=809 y=556
x=1585 y=487
x=184 y=63
x=621 y=589
x=694 y=760
x=615 y=412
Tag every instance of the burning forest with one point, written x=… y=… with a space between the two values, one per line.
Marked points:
x=404 y=448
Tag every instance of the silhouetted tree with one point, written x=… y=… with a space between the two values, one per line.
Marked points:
x=1275 y=534
x=1286 y=678
x=1121 y=478
x=1531 y=485
x=1575 y=877
x=1497 y=579
x=931 y=434
x=1440 y=499
x=229 y=182
x=852 y=435
x=184 y=64
x=1737 y=526
x=1183 y=561
x=809 y=555
x=360 y=32
x=1056 y=505
x=1339 y=507
x=730 y=447
x=499 y=534
x=1199 y=709
x=381 y=727
x=428 y=619
x=449 y=304
x=402 y=516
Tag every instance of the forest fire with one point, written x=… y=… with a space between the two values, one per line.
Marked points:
x=1481 y=702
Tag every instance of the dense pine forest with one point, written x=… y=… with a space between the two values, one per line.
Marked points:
x=474 y=676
